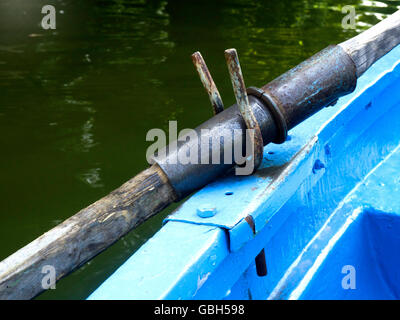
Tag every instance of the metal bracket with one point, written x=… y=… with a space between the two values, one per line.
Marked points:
x=242 y=101
x=240 y=92
x=261 y=264
x=275 y=111
x=208 y=82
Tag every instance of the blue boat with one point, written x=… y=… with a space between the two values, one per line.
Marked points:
x=324 y=207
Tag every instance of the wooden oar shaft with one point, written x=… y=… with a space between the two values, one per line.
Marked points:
x=374 y=43
x=84 y=235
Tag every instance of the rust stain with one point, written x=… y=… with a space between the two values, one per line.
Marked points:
x=242 y=100
x=208 y=82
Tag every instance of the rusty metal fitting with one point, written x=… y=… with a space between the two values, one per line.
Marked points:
x=312 y=85
x=275 y=111
x=300 y=92
x=260 y=261
x=242 y=101
x=208 y=82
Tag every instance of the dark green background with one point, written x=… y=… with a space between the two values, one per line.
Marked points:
x=76 y=102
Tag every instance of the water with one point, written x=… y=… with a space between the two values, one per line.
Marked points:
x=76 y=102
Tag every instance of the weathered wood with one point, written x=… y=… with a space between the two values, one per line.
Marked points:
x=374 y=43
x=84 y=235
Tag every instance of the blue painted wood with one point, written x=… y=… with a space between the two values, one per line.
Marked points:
x=364 y=233
x=173 y=264
x=322 y=184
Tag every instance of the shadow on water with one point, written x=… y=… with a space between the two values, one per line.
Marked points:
x=76 y=102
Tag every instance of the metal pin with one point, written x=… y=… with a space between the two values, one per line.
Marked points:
x=208 y=82
x=242 y=101
x=261 y=264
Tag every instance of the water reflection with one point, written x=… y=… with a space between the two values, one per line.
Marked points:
x=92 y=178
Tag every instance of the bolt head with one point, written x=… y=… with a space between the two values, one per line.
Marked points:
x=206 y=211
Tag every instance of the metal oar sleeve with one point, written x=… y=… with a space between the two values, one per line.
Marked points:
x=297 y=94
x=312 y=85
x=186 y=178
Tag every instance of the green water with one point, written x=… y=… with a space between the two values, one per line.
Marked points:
x=76 y=102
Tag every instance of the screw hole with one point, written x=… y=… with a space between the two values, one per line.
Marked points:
x=318 y=165
x=228 y=193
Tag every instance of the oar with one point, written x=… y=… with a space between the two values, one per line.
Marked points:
x=270 y=112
